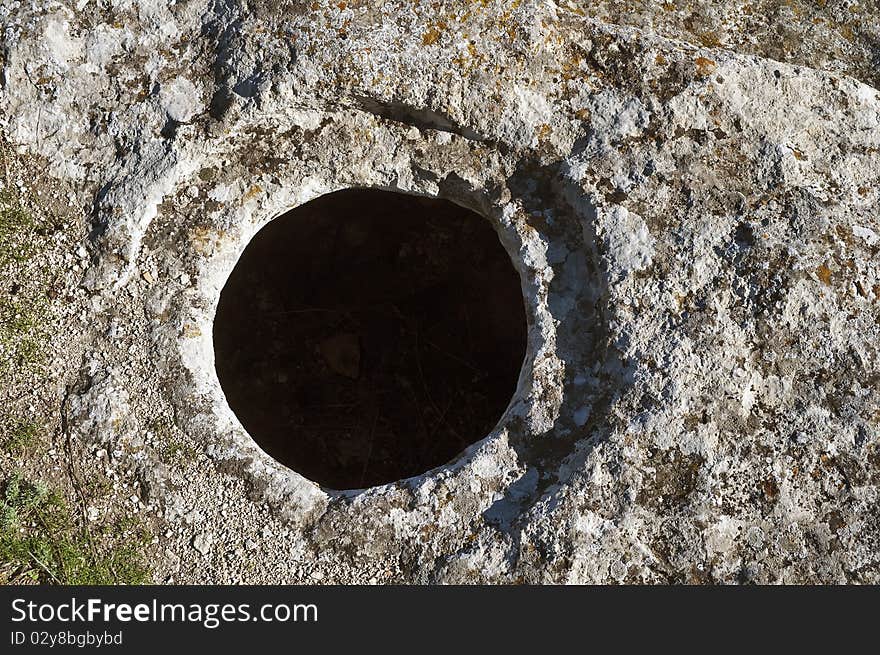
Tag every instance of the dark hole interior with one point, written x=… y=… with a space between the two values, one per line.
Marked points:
x=369 y=336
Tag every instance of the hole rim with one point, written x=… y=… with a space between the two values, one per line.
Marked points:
x=234 y=444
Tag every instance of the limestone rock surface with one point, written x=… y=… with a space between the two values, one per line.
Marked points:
x=689 y=191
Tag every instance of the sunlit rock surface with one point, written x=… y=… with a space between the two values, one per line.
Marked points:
x=688 y=190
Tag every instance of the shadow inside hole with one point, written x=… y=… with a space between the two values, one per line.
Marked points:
x=370 y=336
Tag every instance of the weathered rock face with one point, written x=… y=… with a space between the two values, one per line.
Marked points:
x=697 y=232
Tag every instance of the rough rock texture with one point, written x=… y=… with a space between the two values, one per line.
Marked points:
x=695 y=223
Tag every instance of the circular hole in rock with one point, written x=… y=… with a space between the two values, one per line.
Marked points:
x=369 y=336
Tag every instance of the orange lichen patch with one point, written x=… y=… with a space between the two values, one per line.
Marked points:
x=798 y=154
x=846 y=31
x=251 y=193
x=770 y=488
x=863 y=191
x=710 y=40
x=582 y=114
x=705 y=66
x=431 y=36
x=571 y=66
x=341 y=6
x=191 y=331
x=205 y=239
x=544 y=131
x=660 y=60
x=824 y=274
